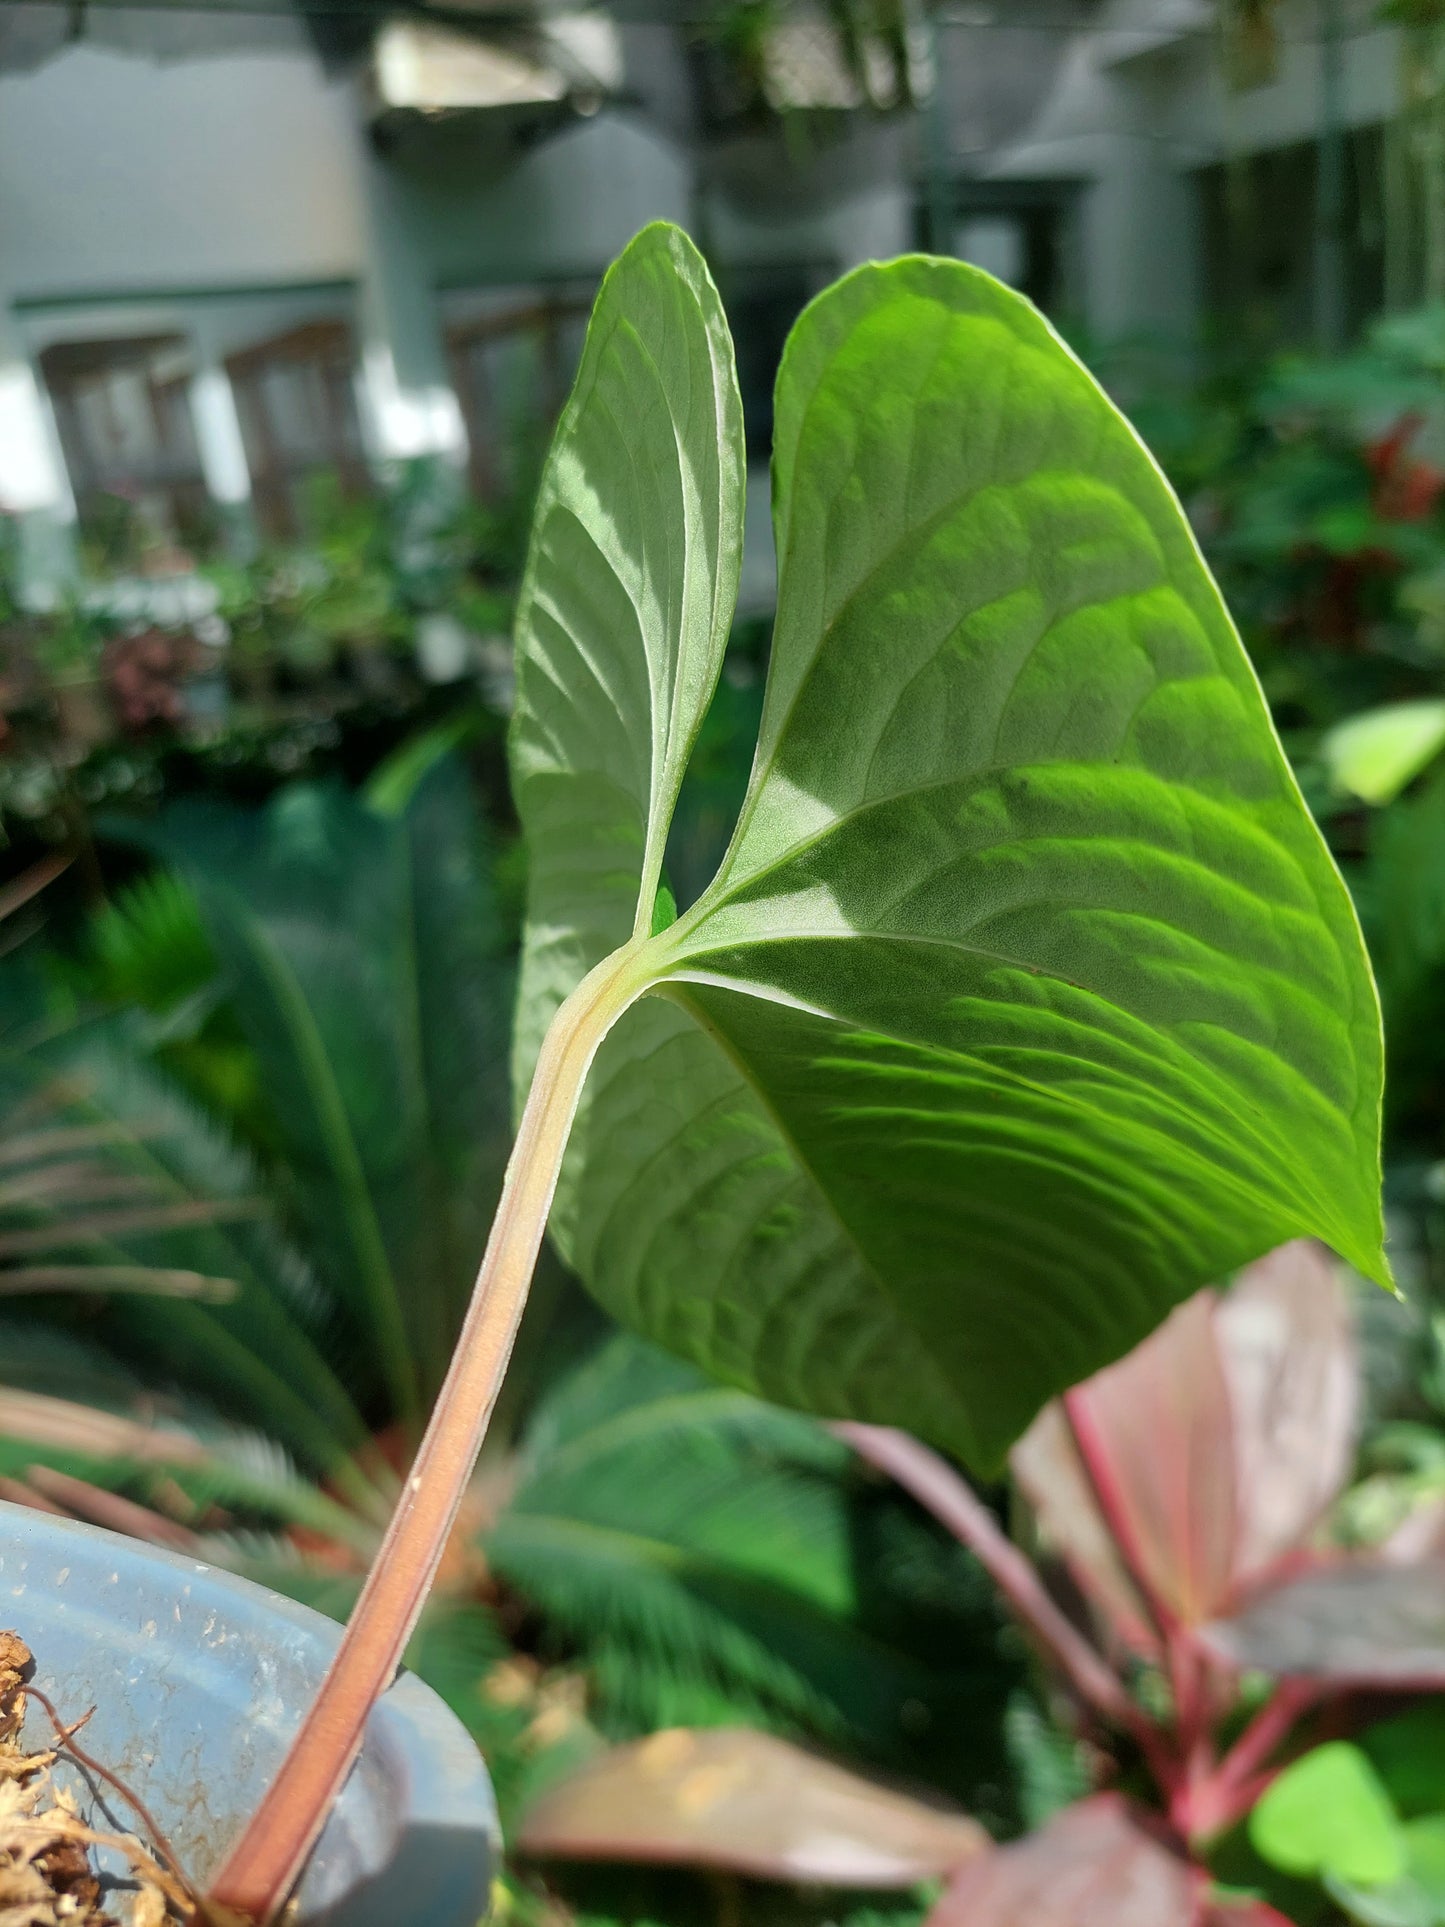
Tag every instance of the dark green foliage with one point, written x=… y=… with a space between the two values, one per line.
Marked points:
x=710 y=1557
x=361 y=962
x=1316 y=487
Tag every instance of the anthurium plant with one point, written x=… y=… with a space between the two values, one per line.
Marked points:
x=1187 y=1491
x=1026 y=997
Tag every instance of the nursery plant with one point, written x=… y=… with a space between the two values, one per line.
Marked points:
x=1026 y=997
x=641 y=1547
x=1188 y=1492
x=1316 y=482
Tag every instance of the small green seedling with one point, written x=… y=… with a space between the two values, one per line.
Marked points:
x=1026 y=997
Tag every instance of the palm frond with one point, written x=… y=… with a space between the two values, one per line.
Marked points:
x=265 y=1348
x=148 y=945
x=709 y=1557
x=362 y=963
x=98 y=1423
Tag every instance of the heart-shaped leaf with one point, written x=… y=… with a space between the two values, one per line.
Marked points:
x=1329 y=1814
x=1026 y=998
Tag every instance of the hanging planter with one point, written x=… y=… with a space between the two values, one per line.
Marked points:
x=1250 y=33
x=768 y=60
x=806 y=101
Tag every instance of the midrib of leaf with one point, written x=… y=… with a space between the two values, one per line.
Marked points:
x=668 y=768
x=1179 y=1057
x=745 y=1072
x=362 y=1227
x=688 y=635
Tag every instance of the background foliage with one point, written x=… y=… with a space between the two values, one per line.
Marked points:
x=252 y=1057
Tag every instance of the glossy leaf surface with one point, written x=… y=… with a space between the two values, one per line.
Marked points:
x=624 y=610
x=1026 y=998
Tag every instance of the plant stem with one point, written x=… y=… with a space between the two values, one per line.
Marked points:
x=940 y=1490
x=1236 y=1780
x=261 y=1868
x=1099 y=1471
x=1192 y=1749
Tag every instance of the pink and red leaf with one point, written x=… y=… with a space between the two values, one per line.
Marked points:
x=1098 y=1864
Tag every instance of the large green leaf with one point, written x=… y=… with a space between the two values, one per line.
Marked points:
x=624 y=611
x=1026 y=998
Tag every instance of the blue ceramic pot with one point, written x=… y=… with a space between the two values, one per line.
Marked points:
x=198 y=1680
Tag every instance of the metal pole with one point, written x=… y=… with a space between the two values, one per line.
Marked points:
x=1330 y=270
x=937 y=159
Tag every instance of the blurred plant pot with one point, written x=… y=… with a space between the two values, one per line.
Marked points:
x=198 y=1680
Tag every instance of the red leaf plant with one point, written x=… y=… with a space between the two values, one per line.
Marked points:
x=1406 y=488
x=1186 y=1492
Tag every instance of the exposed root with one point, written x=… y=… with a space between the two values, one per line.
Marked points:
x=47 y=1878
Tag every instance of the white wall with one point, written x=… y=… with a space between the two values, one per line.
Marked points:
x=1140 y=102
x=123 y=173
x=1113 y=126
x=564 y=207
x=1287 y=110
